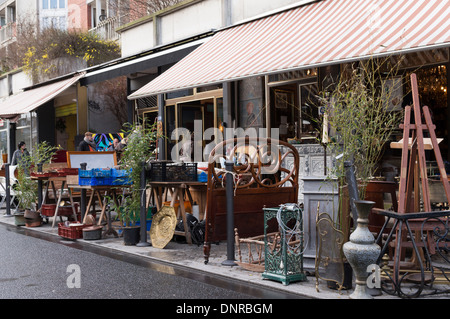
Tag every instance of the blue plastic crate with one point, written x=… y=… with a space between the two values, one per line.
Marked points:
x=101 y=172
x=121 y=181
x=95 y=181
x=85 y=181
x=85 y=173
x=119 y=172
x=102 y=181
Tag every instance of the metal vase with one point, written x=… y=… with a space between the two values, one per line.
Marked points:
x=361 y=251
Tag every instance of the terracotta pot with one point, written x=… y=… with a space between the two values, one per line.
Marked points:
x=31 y=214
x=36 y=222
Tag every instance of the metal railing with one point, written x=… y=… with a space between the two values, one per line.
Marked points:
x=106 y=29
x=7 y=32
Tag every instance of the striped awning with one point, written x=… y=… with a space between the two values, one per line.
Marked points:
x=320 y=33
x=29 y=100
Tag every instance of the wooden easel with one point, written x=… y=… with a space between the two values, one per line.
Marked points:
x=413 y=167
x=416 y=168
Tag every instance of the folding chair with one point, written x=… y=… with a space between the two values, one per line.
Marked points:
x=12 y=192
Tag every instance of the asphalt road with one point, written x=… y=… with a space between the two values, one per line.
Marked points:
x=39 y=266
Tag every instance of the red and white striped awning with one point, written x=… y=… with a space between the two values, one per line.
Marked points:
x=29 y=100
x=321 y=33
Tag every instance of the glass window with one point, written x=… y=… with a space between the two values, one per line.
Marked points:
x=44 y=4
x=23 y=134
x=170 y=126
x=53 y=4
x=4 y=141
x=26 y=130
x=62 y=4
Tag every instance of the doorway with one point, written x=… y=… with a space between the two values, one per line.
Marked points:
x=294 y=109
x=194 y=116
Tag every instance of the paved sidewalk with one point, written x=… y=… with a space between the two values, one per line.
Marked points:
x=191 y=256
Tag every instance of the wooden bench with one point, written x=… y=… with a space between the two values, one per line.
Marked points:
x=257 y=184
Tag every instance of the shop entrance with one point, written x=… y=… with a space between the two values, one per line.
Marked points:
x=294 y=110
x=192 y=115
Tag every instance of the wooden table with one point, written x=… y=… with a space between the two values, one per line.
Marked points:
x=52 y=181
x=98 y=193
x=177 y=190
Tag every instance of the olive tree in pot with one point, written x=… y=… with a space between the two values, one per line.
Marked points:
x=27 y=188
x=140 y=147
x=357 y=125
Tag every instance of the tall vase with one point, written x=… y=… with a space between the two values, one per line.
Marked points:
x=361 y=251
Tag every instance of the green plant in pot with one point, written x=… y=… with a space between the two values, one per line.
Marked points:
x=26 y=187
x=140 y=148
x=357 y=124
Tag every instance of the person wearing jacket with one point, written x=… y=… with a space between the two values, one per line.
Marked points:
x=19 y=154
x=87 y=144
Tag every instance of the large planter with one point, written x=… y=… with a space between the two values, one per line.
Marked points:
x=92 y=232
x=131 y=235
x=32 y=218
x=19 y=219
x=361 y=251
x=33 y=222
x=31 y=214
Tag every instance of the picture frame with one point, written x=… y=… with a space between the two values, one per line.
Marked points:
x=282 y=99
x=392 y=94
x=92 y=159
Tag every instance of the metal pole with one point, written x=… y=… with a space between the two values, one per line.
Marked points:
x=8 y=191
x=83 y=166
x=39 y=169
x=230 y=215
x=143 y=184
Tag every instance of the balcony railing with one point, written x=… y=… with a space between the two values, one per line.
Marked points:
x=7 y=32
x=106 y=29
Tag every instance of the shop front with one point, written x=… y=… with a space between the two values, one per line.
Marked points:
x=276 y=65
x=272 y=69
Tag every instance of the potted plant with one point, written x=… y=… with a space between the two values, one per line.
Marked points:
x=140 y=148
x=356 y=125
x=26 y=187
x=27 y=194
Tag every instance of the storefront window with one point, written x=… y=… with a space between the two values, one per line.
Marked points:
x=294 y=110
x=26 y=130
x=252 y=108
x=170 y=127
x=309 y=109
x=196 y=113
x=4 y=140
